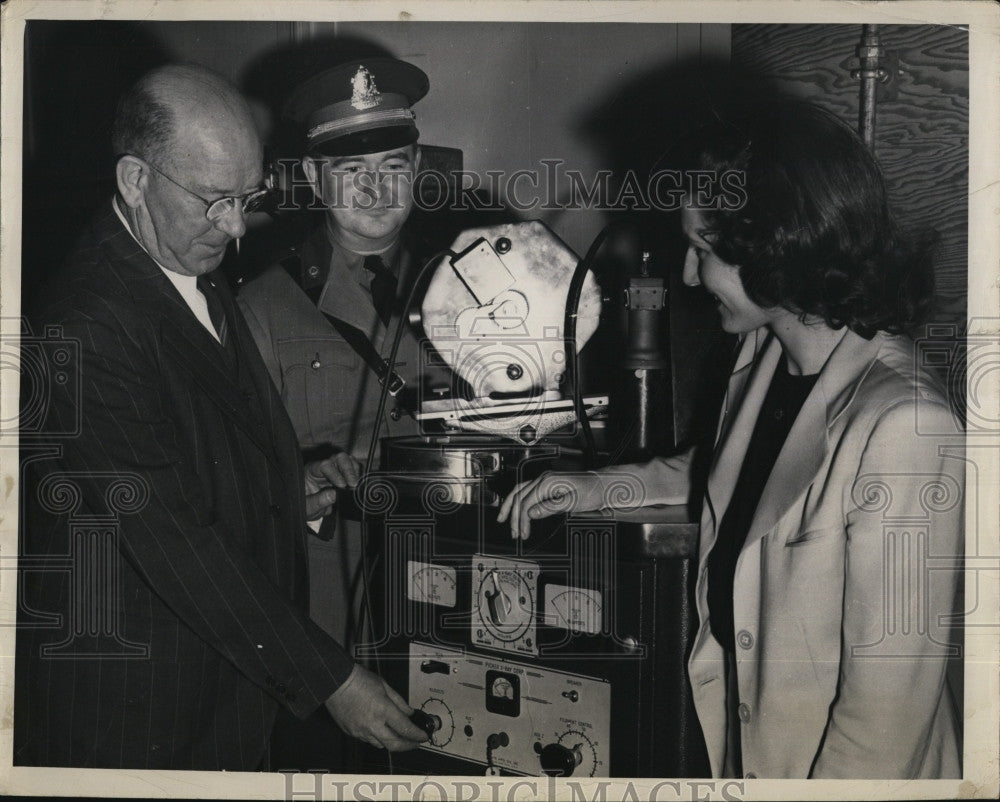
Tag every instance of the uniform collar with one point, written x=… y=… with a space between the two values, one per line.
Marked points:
x=320 y=251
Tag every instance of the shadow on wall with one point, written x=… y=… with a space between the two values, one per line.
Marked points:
x=74 y=73
x=643 y=126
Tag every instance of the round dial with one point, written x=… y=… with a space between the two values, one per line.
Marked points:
x=506 y=603
x=582 y=749
x=443 y=735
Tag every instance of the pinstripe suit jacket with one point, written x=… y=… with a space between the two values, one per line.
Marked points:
x=195 y=630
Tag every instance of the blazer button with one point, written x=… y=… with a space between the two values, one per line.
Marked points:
x=744 y=639
x=275 y=510
x=282 y=688
x=744 y=712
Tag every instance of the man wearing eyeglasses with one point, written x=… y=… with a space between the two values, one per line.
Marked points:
x=203 y=633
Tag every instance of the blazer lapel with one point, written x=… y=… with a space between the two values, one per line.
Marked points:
x=747 y=387
x=805 y=449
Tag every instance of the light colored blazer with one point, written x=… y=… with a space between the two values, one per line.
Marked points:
x=841 y=647
x=845 y=585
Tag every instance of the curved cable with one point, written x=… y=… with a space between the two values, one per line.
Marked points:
x=569 y=340
x=396 y=340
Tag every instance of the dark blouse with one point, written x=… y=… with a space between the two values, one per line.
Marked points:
x=784 y=399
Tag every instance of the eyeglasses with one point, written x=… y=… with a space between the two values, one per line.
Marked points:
x=220 y=207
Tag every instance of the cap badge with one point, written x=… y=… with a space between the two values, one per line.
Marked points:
x=364 y=93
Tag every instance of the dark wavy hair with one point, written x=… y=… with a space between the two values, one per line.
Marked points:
x=814 y=232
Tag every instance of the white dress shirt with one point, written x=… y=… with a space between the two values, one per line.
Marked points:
x=187 y=286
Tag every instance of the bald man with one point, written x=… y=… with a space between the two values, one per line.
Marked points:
x=180 y=630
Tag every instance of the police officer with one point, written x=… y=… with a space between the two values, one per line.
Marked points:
x=348 y=278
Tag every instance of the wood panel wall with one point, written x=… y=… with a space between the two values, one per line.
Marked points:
x=922 y=122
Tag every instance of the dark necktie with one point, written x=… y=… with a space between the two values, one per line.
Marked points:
x=383 y=287
x=215 y=310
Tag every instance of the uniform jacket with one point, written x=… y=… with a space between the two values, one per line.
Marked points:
x=841 y=621
x=330 y=393
x=208 y=567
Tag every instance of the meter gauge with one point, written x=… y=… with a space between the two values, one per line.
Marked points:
x=431 y=584
x=501 y=687
x=503 y=693
x=504 y=604
x=575 y=609
x=441 y=736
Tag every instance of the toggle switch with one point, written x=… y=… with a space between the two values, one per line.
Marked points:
x=434 y=667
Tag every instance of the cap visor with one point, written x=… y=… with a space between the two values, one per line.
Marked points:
x=375 y=140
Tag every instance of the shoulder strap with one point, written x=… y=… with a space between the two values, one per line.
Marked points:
x=353 y=336
x=364 y=348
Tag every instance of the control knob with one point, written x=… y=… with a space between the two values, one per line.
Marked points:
x=428 y=722
x=558 y=760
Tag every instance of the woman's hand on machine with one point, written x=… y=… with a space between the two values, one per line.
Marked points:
x=550 y=494
x=323 y=480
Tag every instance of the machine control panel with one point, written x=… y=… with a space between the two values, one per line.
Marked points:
x=508 y=716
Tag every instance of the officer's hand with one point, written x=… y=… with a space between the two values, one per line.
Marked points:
x=368 y=709
x=550 y=494
x=323 y=479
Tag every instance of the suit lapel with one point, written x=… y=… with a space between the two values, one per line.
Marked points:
x=189 y=343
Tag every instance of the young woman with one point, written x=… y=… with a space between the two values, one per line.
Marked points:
x=837 y=478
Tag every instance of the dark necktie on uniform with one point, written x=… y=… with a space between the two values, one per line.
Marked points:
x=215 y=310
x=383 y=287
